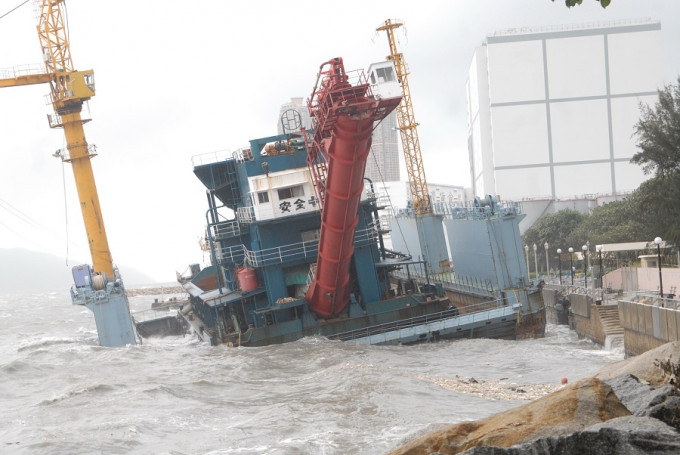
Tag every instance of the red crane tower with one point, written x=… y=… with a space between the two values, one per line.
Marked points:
x=344 y=117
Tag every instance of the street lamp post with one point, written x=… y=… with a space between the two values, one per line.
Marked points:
x=599 y=259
x=526 y=257
x=547 y=264
x=535 y=261
x=658 y=259
x=585 y=265
x=571 y=264
x=559 y=261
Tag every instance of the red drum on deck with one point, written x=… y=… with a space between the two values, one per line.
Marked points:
x=246 y=279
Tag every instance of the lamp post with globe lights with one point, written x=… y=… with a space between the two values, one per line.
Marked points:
x=526 y=257
x=547 y=264
x=571 y=264
x=559 y=261
x=535 y=261
x=658 y=260
x=585 y=265
x=599 y=259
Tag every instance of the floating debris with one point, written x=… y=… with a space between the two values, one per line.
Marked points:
x=493 y=389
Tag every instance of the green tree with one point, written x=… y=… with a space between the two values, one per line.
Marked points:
x=656 y=204
x=615 y=222
x=657 y=200
x=554 y=228
x=658 y=132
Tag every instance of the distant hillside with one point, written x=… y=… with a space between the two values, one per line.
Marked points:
x=25 y=271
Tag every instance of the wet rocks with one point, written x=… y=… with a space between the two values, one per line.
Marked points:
x=620 y=436
x=570 y=409
x=629 y=407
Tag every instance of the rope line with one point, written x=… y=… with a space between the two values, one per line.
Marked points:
x=14 y=9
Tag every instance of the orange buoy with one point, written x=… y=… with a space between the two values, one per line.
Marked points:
x=564 y=381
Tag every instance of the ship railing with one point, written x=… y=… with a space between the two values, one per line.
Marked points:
x=596 y=294
x=147 y=315
x=246 y=214
x=242 y=155
x=473 y=314
x=22 y=70
x=225 y=229
x=450 y=280
x=281 y=254
x=286 y=253
x=466 y=210
x=211 y=157
x=654 y=300
x=232 y=254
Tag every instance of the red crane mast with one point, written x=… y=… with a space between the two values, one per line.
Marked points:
x=343 y=116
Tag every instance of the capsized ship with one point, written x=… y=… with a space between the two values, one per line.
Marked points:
x=297 y=246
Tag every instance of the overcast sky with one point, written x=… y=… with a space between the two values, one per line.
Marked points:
x=178 y=79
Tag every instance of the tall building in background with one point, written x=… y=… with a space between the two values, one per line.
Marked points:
x=551 y=110
x=383 y=160
x=289 y=119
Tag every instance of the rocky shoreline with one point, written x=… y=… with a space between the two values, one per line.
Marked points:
x=628 y=407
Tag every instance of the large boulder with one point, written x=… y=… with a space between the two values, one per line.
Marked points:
x=566 y=411
x=621 y=436
x=643 y=399
x=591 y=416
x=658 y=366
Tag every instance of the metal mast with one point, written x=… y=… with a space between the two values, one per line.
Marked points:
x=69 y=89
x=102 y=291
x=408 y=127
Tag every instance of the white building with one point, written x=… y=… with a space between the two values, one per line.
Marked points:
x=293 y=115
x=383 y=160
x=551 y=111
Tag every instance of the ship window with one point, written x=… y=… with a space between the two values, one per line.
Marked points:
x=291 y=192
x=385 y=74
x=373 y=78
x=262 y=197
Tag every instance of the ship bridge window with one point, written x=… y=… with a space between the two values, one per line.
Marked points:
x=262 y=197
x=291 y=192
x=384 y=74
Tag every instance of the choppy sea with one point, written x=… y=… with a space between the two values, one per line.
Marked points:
x=60 y=393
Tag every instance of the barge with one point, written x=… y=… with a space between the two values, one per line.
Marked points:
x=297 y=246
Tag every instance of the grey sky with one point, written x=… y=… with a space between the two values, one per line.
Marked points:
x=176 y=79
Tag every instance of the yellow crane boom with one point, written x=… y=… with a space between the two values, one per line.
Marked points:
x=69 y=90
x=408 y=127
x=99 y=287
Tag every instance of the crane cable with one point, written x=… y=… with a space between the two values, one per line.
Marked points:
x=14 y=9
x=377 y=165
x=63 y=179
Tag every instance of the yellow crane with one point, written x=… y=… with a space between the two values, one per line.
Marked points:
x=69 y=89
x=99 y=288
x=408 y=127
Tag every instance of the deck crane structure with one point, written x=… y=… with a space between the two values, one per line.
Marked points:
x=429 y=226
x=408 y=127
x=99 y=287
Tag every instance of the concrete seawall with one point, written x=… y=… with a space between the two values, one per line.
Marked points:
x=648 y=326
x=600 y=323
